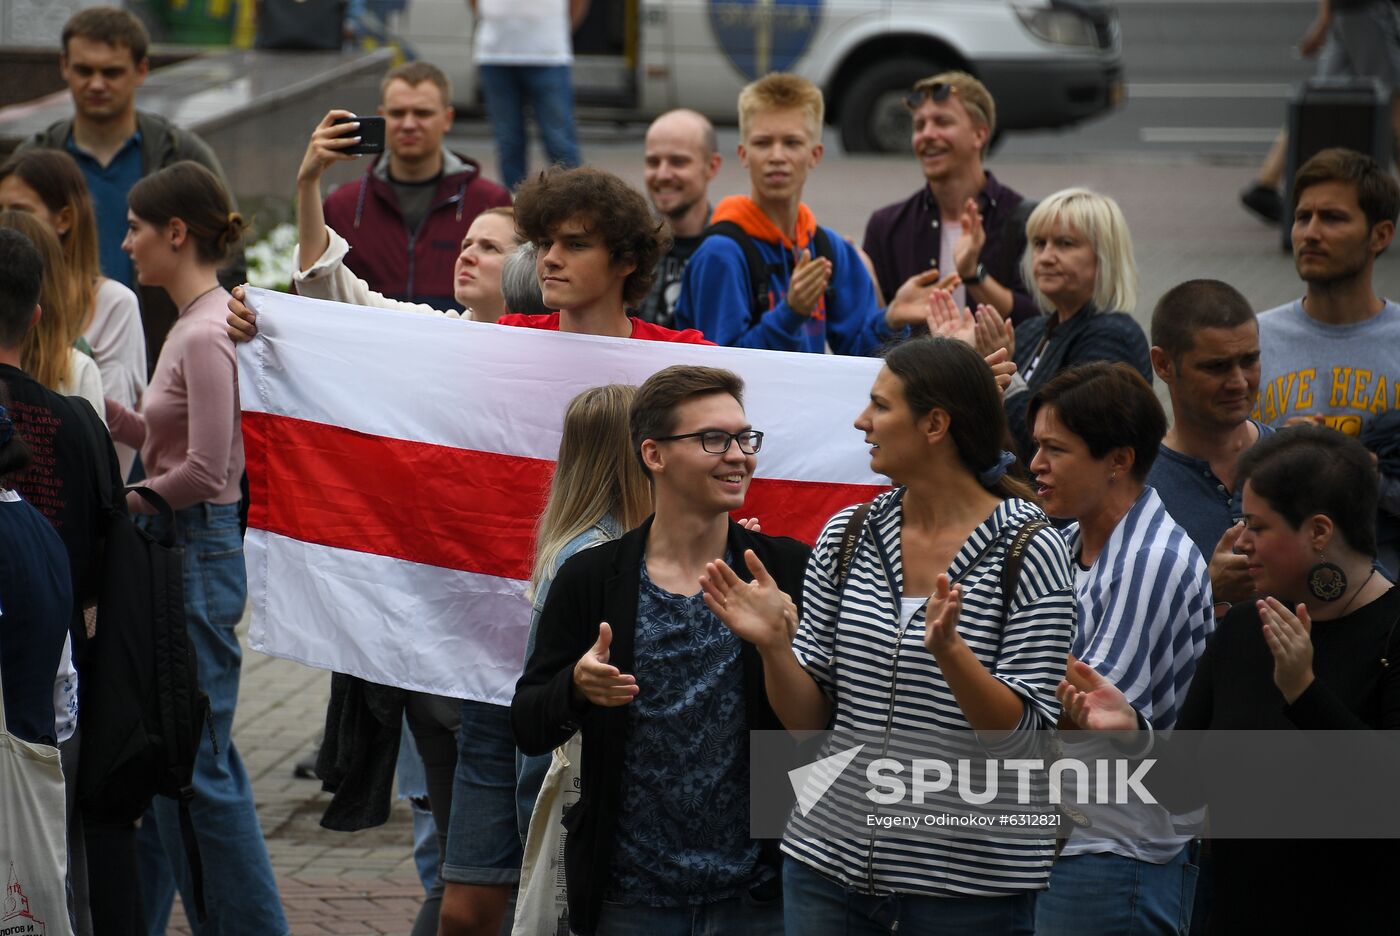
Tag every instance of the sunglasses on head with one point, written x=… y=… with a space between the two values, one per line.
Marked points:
x=938 y=92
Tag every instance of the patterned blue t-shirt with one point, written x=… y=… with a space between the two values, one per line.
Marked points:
x=682 y=833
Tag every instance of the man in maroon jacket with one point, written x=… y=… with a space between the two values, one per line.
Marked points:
x=406 y=216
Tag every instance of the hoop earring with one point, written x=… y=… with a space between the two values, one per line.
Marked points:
x=1326 y=580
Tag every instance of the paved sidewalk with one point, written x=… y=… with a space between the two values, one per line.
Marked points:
x=337 y=883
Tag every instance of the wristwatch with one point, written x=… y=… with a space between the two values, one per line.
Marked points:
x=978 y=275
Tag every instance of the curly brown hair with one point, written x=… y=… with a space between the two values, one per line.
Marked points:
x=608 y=207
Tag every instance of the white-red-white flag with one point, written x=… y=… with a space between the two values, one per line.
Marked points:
x=398 y=464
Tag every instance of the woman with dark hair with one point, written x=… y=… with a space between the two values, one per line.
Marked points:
x=917 y=635
x=48 y=184
x=181 y=227
x=1144 y=600
x=1315 y=653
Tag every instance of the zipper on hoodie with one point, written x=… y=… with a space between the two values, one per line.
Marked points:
x=894 y=682
x=888 y=571
x=412 y=235
x=413 y=238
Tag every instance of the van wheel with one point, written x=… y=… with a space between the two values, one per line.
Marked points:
x=873 y=116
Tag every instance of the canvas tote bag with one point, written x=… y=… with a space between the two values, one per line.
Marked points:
x=33 y=837
x=542 y=903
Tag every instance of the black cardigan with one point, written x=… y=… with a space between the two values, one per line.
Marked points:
x=602 y=584
x=1087 y=336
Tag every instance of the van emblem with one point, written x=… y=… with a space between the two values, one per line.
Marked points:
x=761 y=36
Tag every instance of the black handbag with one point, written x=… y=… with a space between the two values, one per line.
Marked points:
x=301 y=24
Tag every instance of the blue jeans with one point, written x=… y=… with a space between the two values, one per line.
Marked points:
x=483 y=836
x=549 y=90
x=819 y=906
x=1117 y=895
x=240 y=891
x=412 y=784
x=738 y=916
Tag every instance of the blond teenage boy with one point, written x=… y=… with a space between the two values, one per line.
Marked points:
x=819 y=292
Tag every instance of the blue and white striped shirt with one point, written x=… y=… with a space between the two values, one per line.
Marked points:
x=1144 y=615
x=1145 y=609
x=856 y=656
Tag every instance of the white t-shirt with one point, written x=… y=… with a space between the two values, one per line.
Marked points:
x=948 y=236
x=523 y=32
x=119 y=348
x=84 y=380
x=118 y=343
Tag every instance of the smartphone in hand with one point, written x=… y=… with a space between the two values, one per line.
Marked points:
x=371 y=135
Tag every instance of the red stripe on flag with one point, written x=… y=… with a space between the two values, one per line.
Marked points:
x=454 y=508
x=801 y=508
x=432 y=504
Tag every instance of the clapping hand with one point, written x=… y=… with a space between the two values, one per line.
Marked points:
x=942 y=615
x=759 y=611
x=1289 y=636
x=1230 y=580
x=993 y=332
x=946 y=321
x=809 y=280
x=1101 y=706
x=968 y=248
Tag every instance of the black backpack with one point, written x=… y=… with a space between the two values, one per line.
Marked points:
x=760 y=269
x=140 y=707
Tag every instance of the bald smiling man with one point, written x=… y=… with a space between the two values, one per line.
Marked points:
x=681 y=160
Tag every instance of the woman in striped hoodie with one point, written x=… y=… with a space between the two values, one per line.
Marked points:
x=912 y=633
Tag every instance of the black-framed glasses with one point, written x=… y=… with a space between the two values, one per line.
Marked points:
x=938 y=91
x=717 y=441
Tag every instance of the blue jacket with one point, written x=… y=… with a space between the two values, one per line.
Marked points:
x=715 y=299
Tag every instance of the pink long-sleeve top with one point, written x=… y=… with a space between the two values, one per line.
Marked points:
x=188 y=429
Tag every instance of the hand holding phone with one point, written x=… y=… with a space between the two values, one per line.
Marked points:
x=371 y=135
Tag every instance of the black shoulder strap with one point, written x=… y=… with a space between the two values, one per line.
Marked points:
x=849 y=538
x=757 y=266
x=821 y=245
x=1016 y=220
x=1015 y=558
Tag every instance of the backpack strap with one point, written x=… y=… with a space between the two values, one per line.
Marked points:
x=177 y=673
x=1016 y=218
x=757 y=266
x=849 y=538
x=1015 y=558
x=822 y=247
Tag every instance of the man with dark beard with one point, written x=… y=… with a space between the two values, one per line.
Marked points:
x=1333 y=357
x=681 y=160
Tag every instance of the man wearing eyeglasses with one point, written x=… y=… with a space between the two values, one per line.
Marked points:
x=628 y=653
x=962 y=222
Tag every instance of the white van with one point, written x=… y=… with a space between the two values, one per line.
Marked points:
x=1048 y=63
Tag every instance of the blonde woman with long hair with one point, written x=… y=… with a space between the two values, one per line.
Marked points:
x=598 y=492
x=48 y=353
x=597 y=483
